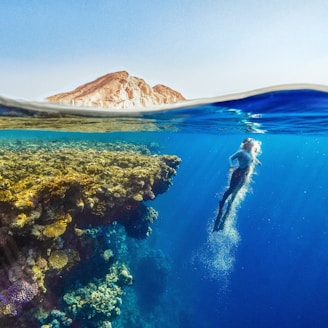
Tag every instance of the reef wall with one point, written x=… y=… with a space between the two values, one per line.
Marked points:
x=60 y=207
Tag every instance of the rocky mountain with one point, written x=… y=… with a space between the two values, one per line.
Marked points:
x=118 y=90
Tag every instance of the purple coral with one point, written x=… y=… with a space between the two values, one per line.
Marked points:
x=21 y=292
x=16 y=295
x=3 y=300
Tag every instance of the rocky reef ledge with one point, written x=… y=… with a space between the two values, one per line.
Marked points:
x=60 y=206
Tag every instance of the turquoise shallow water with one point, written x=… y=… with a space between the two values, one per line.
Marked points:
x=267 y=269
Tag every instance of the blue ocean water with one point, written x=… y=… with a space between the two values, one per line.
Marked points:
x=269 y=268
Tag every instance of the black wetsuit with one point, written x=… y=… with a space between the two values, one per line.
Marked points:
x=237 y=180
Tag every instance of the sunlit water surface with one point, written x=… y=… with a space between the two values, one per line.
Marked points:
x=269 y=266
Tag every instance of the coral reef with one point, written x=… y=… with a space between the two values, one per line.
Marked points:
x=44 y=190
x=100 y=299
x=84 y=124
x=60 y=204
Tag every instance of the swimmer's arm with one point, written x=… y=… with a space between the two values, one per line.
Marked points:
x=232 y=158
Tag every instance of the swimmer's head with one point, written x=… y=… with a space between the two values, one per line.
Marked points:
x=247 y=143
x=251 y=145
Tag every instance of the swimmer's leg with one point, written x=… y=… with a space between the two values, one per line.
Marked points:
x=220 y=219
x=220 y=224
x=221 y=207
x=236 y=182
x=217 y=222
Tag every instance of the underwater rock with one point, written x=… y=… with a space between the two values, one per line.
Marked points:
x=55 y=202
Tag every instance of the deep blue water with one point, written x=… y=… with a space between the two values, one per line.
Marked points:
x=278 y=276
x=270 y=269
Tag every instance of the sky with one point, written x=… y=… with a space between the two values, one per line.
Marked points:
x=203 y=48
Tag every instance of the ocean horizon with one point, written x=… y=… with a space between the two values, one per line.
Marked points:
x=106 y=216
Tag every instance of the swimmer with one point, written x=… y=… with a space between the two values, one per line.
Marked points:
x=246 y=156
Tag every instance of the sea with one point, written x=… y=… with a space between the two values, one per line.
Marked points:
x=267 y=268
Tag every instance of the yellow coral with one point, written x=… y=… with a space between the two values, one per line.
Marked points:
x=8 y=309
x=108 y=254
x=21 y=220
x=78 y=232
x=39 y=270
x=138 y=197
x=5 y=196
x=38 y=184
x=58 y=260
x=56 y=229
x=23 y=203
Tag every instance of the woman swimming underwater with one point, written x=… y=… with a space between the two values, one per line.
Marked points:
x=246 y=156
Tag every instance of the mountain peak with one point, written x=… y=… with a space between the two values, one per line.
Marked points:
x=118 y=90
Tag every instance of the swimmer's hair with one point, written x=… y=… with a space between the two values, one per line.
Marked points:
x=256 y=145
x=247 y=141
